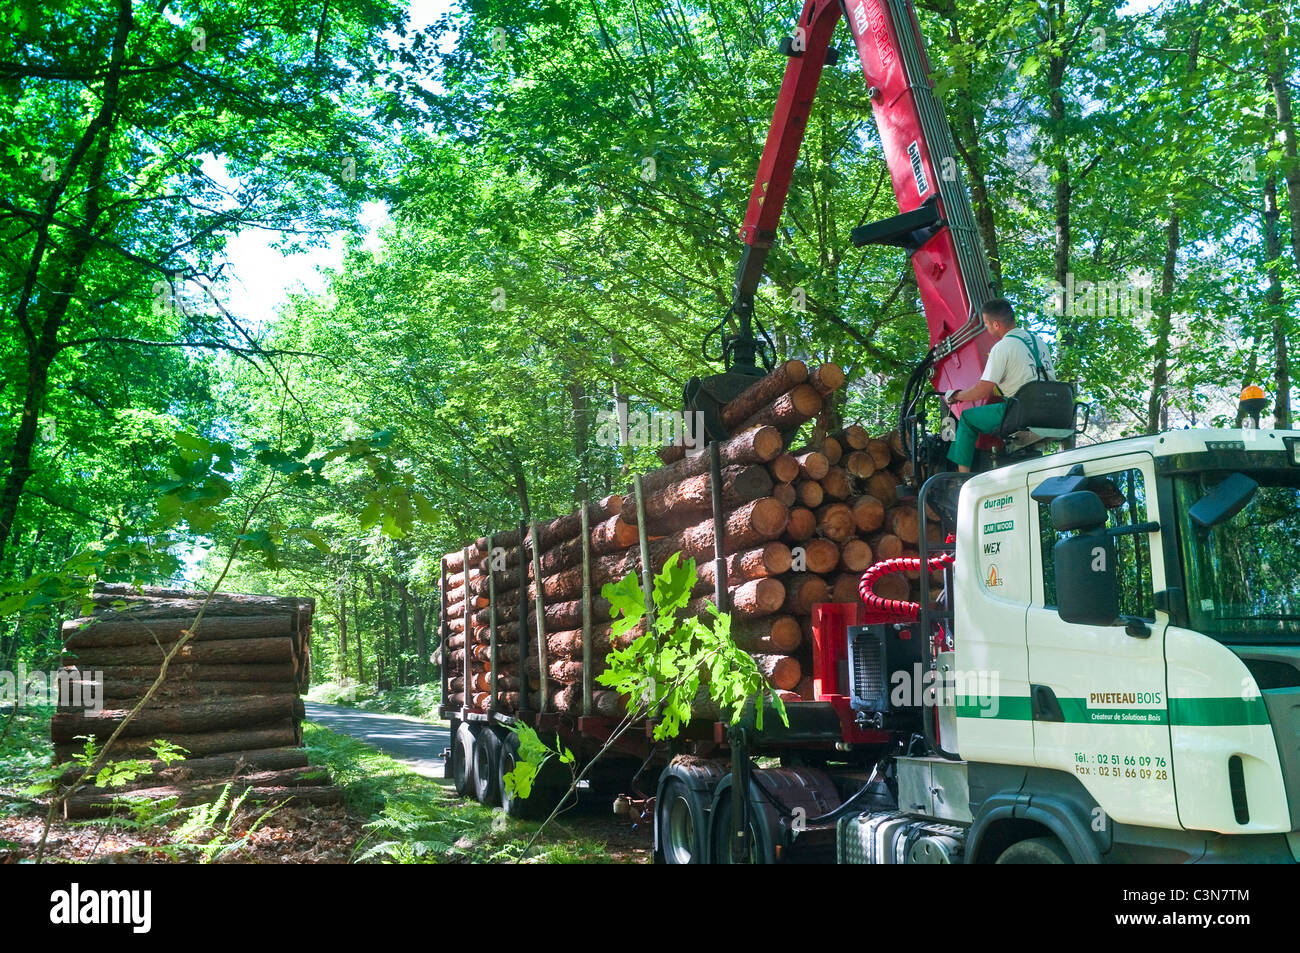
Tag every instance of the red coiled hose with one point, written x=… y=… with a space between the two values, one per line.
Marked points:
x=896 y=610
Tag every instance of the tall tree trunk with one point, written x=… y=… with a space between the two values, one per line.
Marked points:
x=356 y=634
x=42 y=334
x=403 y=632
x=1277 y=81
x=342 y=594
x=386 y=606
x=421 y=639
x=1157 y=414
x=1277 y=311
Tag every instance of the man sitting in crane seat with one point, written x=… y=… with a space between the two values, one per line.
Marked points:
x=1017 y=358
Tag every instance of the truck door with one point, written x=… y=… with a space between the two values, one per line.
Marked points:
x=1099 y=697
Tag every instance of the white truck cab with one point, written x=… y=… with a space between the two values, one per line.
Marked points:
x=1124 y=677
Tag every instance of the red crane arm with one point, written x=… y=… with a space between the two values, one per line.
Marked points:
x=935 y=224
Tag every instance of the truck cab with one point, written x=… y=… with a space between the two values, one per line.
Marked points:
x=1166 y=730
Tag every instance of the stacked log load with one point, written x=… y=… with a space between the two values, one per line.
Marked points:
x=801 y=524
x=230 y=698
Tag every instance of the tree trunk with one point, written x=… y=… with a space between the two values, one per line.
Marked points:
x=1164 y=327
x=1276 y=308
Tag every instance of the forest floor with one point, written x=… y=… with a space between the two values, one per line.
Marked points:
x=390 y=813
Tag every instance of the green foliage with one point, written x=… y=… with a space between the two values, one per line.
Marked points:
x=533 y=753
x=416 y=820
x=663 y=670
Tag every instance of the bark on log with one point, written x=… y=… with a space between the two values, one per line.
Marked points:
x=208 y=672
x=783 y=671
x=199 y=769
x=281 y=734
x=206 y=716
x=763 y=392
x=770 y=559
x=757 y=445
x=777 y=635
x=92 y=633
x=686 y=503
x=790 y=410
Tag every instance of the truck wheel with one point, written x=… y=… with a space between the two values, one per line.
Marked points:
x=683 y=819
x=761 y=849
x=462 y=759
x=543 y=797
x=1036 y=850
x=487 y=758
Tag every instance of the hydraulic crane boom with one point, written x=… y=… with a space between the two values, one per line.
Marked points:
x=935 y=225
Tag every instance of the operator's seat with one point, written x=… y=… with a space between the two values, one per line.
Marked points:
x=1040 y=411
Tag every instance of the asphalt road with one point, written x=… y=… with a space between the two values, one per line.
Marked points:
x=417 y=744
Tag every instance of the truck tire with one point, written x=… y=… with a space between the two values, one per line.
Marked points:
x=682 y=815
x=682 y=800
x=1036 y=850
x=762 y=849
x=545 y=794
x=487 y=768
x=462 y=759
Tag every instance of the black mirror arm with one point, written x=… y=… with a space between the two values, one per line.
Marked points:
x=1135 y=530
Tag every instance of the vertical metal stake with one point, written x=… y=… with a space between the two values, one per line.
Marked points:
x=721 y=592
x=540 y=610
x=524 y=702
x=469 y=654
x=586 y=610
x=492 y=628
x=444 y=630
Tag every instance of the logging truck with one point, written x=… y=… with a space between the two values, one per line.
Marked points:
x=1073 y=655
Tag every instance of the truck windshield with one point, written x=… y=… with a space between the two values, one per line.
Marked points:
x=1243 y=575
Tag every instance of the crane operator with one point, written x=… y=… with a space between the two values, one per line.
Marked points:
x=1017 y=357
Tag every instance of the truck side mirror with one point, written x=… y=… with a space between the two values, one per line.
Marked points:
x=1087 y=583
x=1082 y=509
x=1087 y=579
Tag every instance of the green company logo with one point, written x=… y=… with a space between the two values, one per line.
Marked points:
x=997 y=502
x=999 y=527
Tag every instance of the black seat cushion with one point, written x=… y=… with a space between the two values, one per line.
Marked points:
x=1040 y=404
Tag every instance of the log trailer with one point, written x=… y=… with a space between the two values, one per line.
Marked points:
x=1103 y=664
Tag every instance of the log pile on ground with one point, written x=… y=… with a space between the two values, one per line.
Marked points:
x=802 y=523
x=230 y=698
